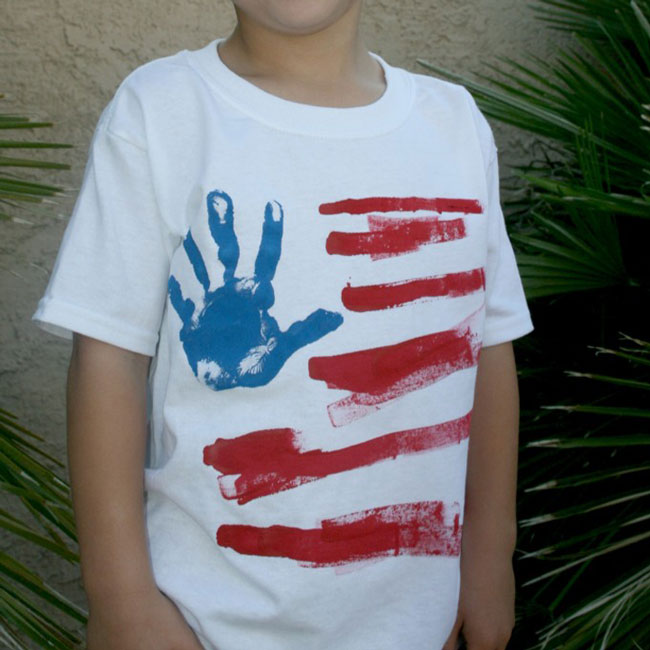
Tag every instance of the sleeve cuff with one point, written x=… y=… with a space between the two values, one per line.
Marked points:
x=62 y=319
x=513 y=328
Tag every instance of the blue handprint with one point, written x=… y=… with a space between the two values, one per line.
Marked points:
x=233 y=341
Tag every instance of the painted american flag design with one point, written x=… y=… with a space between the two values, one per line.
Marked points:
x=265 y=462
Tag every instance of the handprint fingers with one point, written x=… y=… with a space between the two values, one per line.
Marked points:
x=270 y=248
x=228 y=336
x=220 y=221
x=315 y=326
x=184 y=307
x=196 y=260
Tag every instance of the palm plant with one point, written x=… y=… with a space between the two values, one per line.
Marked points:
x=591 y=106
x=49 y=525
x=12 y=187
x=30 y=609
x=588 y=522
x=580 y=221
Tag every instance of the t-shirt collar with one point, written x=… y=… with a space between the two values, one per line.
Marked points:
x=381 y=116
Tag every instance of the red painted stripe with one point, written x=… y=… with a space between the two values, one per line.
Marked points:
x=418 y=529
x=378 y=375
x=394 y=294
x=400 y=204
x=271 y=460
x=389 y=237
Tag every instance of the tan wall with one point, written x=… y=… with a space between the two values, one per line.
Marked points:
x=62 y=60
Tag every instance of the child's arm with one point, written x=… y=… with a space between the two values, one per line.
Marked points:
x=106 y=451
x=487 y=593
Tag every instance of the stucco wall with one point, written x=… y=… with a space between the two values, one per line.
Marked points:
x=62 y=60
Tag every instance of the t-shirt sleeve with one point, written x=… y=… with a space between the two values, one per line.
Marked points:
x=109 y=281
x=507 y=316
x=506 y=312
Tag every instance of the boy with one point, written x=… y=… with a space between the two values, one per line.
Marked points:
x=308 y=242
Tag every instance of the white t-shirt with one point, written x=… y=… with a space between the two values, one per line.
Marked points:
x=315 y=285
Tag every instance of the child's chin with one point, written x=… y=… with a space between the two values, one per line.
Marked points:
x=296 y=17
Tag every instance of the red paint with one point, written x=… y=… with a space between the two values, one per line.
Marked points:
x=378 y=375
x=400 y=204
x=394 y=294
x=418 y=529
x=389 y=237
x=271 y=460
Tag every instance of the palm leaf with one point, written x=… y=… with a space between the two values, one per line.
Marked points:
x=608 y=614
x=49 y=526
x=591 y=102
x=12 y=188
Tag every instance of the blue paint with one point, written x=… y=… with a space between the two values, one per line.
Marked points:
x=233 y=340
x=196 y=260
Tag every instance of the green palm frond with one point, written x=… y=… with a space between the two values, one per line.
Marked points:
x=594 y=514
x=601 y=618
x=31 y=609
x=12 y=187
x=47 y=524
x=591 y=103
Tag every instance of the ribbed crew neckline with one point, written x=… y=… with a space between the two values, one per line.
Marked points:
x=381 y=116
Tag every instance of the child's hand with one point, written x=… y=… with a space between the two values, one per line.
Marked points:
x=486 y=609
x=139 y=621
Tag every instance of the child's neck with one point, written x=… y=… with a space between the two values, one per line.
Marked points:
x=331 y=67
